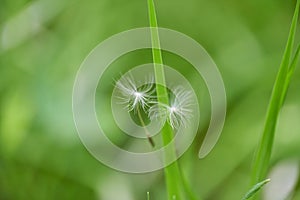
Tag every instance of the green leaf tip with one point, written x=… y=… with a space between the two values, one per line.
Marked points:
x=255 y=189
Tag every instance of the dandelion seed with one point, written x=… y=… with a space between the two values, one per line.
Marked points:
x=135 y=97
x=132 y=96
x=178 y=113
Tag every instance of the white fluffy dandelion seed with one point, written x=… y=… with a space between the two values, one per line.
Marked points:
x=136 y=98
x=178 y=113
x=133 y=96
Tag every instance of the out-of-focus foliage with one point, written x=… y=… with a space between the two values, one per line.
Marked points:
x=42 y=44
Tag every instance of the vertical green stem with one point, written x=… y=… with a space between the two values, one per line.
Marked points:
x=172 y=173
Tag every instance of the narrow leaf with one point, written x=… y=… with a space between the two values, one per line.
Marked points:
x=255 y=189
x=290 y=73
x=172 y=173
x=263 y=153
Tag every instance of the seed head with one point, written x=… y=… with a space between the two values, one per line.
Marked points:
x=178 y=113
x=133 y=96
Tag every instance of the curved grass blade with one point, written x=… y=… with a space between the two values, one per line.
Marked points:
x=255 y=189
x=290 y=74
x=263 y=154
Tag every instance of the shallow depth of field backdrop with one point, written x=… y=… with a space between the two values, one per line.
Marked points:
x=42 y=44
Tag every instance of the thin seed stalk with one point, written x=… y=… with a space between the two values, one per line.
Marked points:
x=144 y=126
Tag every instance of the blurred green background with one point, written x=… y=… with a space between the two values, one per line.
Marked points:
x=42 y=44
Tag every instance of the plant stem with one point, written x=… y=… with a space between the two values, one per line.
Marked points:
x=144 y=126
x=263 y=154
x=172 y=173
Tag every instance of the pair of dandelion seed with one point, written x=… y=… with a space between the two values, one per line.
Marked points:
x=143 y=99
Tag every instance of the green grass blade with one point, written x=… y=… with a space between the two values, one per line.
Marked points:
x=190 y=194
x=263 y=153
x=290 y=73
x=255 y=189
x=172 y=173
